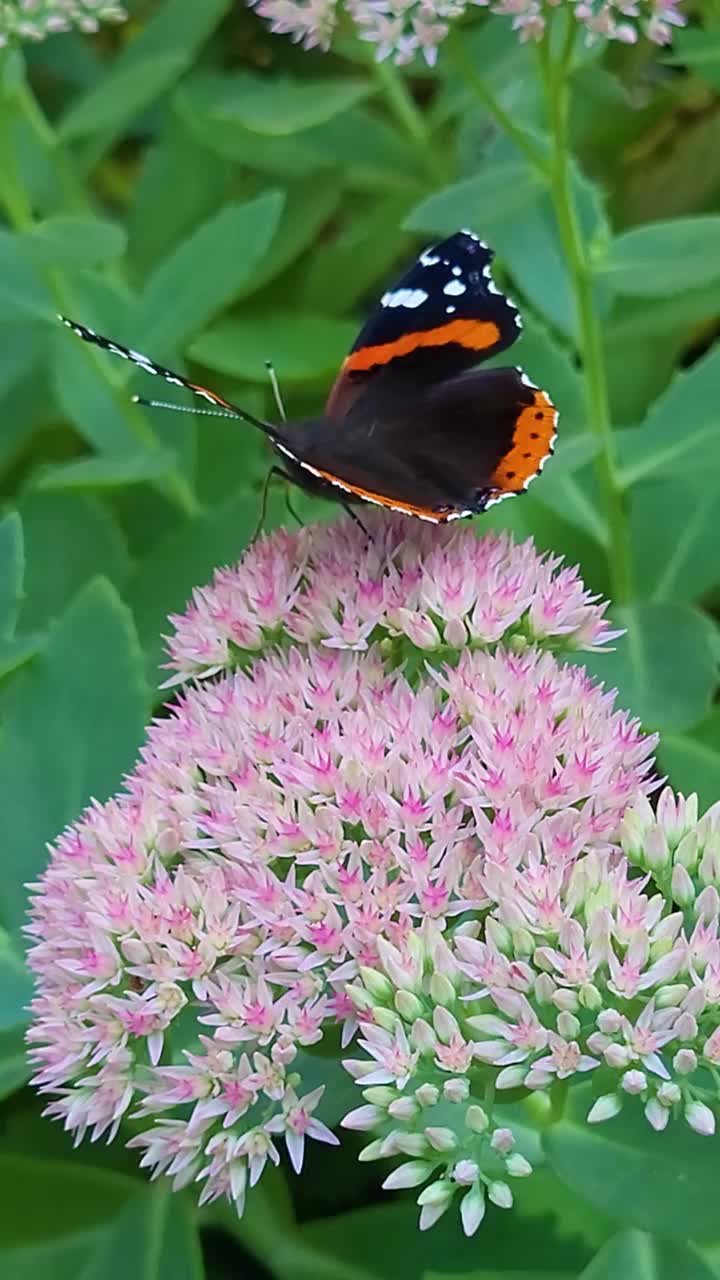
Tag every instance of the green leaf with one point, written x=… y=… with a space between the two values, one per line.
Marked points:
x=214 y=266
x=74 y=1197
x=660 y=1182
x=15 y=1069
x=664 y=668
x=309 y=205
x=674 y=526
x=154 y=1236
x=638 y=1256
x=73 y=721
x=663 y=257
x=501 y=1273
x=303 y=347
x=21 y=292
x=699 y=50
x=104 y=473
x=692 y=760
x=72 y=241
x=15 y=985
x=350 y=1240
x=121 y=95
x=357 y=257
x=496 y=194
x=56 y=1260
x=16 y=652
x=184 y=559
x=278 y=107
x=12 y=572
x=92 y=544
x=682 y=429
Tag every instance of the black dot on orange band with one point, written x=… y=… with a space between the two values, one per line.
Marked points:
x=534 y=435
x=510 y=475
x=539 y=416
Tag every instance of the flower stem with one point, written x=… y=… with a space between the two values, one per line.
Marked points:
x=493 y=106
x=409 y=117
x=555 y=76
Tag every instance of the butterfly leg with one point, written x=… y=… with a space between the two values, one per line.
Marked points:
x=272 y=471
x=347 y=508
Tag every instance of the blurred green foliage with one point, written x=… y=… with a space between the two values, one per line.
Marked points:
x=204 y=191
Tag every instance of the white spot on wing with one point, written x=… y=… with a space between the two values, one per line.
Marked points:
x=404 y=298
x=454 y=288
x=428 y=259
x=449 y=310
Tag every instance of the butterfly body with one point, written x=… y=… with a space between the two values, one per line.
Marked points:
x=411 y=424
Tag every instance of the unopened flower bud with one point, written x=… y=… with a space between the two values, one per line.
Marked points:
x=403 y=1109
x=426 y=1095
x=381 y=1095
x=476 y=1119
x=456 y=1090
x=604 y=1108
x=687 y=851
x=609 y=1021
x=700 y=1118
x=656 y=1115
x=411 y=1174
x=566 y=1000
x=408 y=1005
x=669 y=996
x=657 y=854
x=500 y=1194
x=543 y=988
x=376 y=983
x=439 y=1192
x=363 y=1118
x=373 y=1151
x=685 y=1061
x=441 y=1139
x=442 y=991
x=669 y=1093
x=411 y=1144
x=568 y=1025
x=523 y=942
x=634 y=1082
x=472 y=1210
x=682 y=888
x=422 y=1036
x=589 y=997
x=686 y=1027
x=511 y=1077
x=517 y=1166
x=502 y=1141
x=617 y=1056
x=465 y=1173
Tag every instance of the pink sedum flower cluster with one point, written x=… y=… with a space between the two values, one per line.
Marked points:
x=440 y=590
x=386 y=805
x=405 y=29
x=36 y=19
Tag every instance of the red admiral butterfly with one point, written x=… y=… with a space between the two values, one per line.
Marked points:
x=407 y=425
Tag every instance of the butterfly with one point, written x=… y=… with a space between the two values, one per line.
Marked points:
x=410 y=423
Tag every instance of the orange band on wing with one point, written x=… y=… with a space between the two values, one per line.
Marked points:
x=532 y=444
x=477 y=335
x=382 y=500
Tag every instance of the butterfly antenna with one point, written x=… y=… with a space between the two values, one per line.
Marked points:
x=186 y=408
x=276 y=390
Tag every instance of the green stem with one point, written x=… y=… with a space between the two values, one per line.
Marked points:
x=493 y=106
x=16 y=203
x=409 y=117
x=555 y=78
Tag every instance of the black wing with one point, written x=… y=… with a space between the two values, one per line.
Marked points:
x=442 y=317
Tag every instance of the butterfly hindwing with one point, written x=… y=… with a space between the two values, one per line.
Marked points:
x=454 y=450
x=442 y=317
